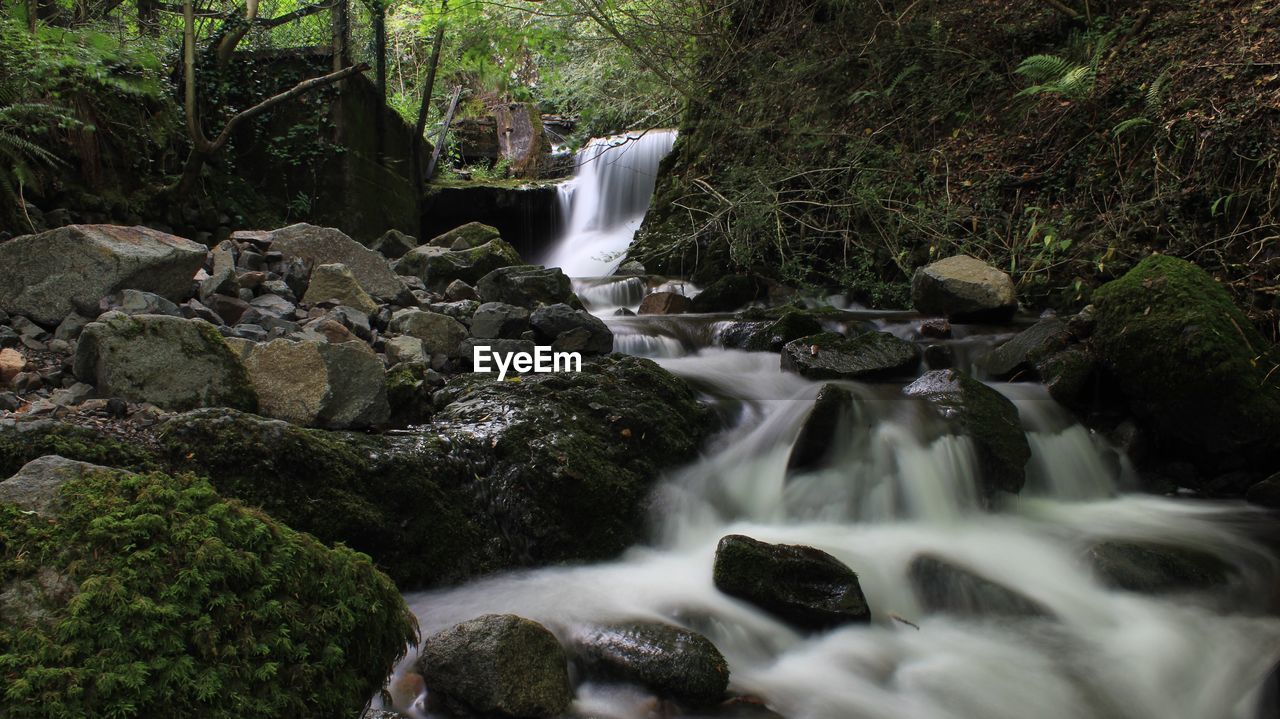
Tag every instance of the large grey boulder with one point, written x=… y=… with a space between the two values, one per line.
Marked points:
x=438 y=267
x=987 y=417
x=1027 y=349
x=801 y=585
x=465 y=237
x=498 y=665
x=871 y=356
x=317 y=246
x=528 y=286
x=440 y=334
x=964 y=289
x=35 y=487
x=570 y=330
x=670 y=661
x=173 y=363
x=48 y=276
x=319 y=384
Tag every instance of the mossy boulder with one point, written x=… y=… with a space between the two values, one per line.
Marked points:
x=438 y=267
x=1155 y=568
x=394 y=499
x=570 y=459
x=803 y=586
x=173 y=363
x=869 y=357
x=988 y=418
x=150 y=595
x=528 y=286
x=729 y=293
x=465 y=237
x=498 y=665
x=771 y=335
x=1190 y=364
x=26 y=441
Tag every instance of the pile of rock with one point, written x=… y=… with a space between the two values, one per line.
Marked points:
x=300 y=323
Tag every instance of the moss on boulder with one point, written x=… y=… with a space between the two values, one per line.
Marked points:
x=29 y=440
x=393 y=499
x=159 y=598
x=1189 y=362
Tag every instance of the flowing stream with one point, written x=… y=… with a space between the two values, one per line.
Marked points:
x=894 y=489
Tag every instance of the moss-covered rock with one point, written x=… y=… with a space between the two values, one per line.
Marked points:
x=1189 y=363
x=395 y=499
x=668 y=660
x=159 y=598
x=770 y=336
x=569 y=459
x=28 y=440
x=438 y=267
x=465 y=237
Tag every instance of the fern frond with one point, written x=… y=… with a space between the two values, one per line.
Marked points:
x=1042 y=69
x=1130 y=124
x=1155 y=94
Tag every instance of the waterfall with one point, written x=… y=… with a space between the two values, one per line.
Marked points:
x=604 y=204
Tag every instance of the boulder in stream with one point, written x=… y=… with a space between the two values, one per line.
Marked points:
x=528 y=286
x=803 y=586
x=569 y=330
x=1190 y=365
x=670 y=661
x=987 y=417
x=1027 y=349
x=48 y=276
x=869 y=357
x=771 y=336
x=964 y=289
x=664 y=303
x=729 y=293
x=438 y=267
x=827 y=427
x=498 y=665
x=942 y=585
x=1155 y=568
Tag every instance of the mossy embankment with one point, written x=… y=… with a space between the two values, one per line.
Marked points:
x=848 y=143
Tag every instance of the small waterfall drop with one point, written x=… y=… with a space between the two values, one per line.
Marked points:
x=604 y=204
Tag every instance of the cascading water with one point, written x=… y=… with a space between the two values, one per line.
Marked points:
x=604 y=204
x=895 y=488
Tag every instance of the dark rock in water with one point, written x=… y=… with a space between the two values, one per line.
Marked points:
x=623 y=312
x=765 y=336
x=985 y=416
x=669 y=661
x=1155 y=568
x=939 y=357
x=1266 y=493
x=438 y=267
x=498 y=665
x=49 y=275
x=869 y=357
x=664 y=303
x=465 y=237
x=1021 y=354
x=1190 y=364
x=943 y=586
x=496 y=320
x=170 y=362
x=570 y=330
x=803 y=586
x=965 y=290
x=393 y=244
x=729 y=293
x=528 y=286
x=1069 y=376
x=572 y=458
x=936 y=328
x=826 y=427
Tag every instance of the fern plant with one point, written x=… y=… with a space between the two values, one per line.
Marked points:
x=1050 y=74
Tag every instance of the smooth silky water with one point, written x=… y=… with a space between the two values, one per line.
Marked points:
x=896 y=486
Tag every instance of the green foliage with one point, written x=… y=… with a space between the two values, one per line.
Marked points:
x=84 y=445
x=185 y=605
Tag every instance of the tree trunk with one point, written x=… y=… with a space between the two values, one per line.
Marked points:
x=415 y=154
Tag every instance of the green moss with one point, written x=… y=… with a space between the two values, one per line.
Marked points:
x=396 y=500
x=186 y=605
x=237 y=392
x=1189 y=361
x=17 y=447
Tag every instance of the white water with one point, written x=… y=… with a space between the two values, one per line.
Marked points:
x=604 y=204
x=894 y=488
